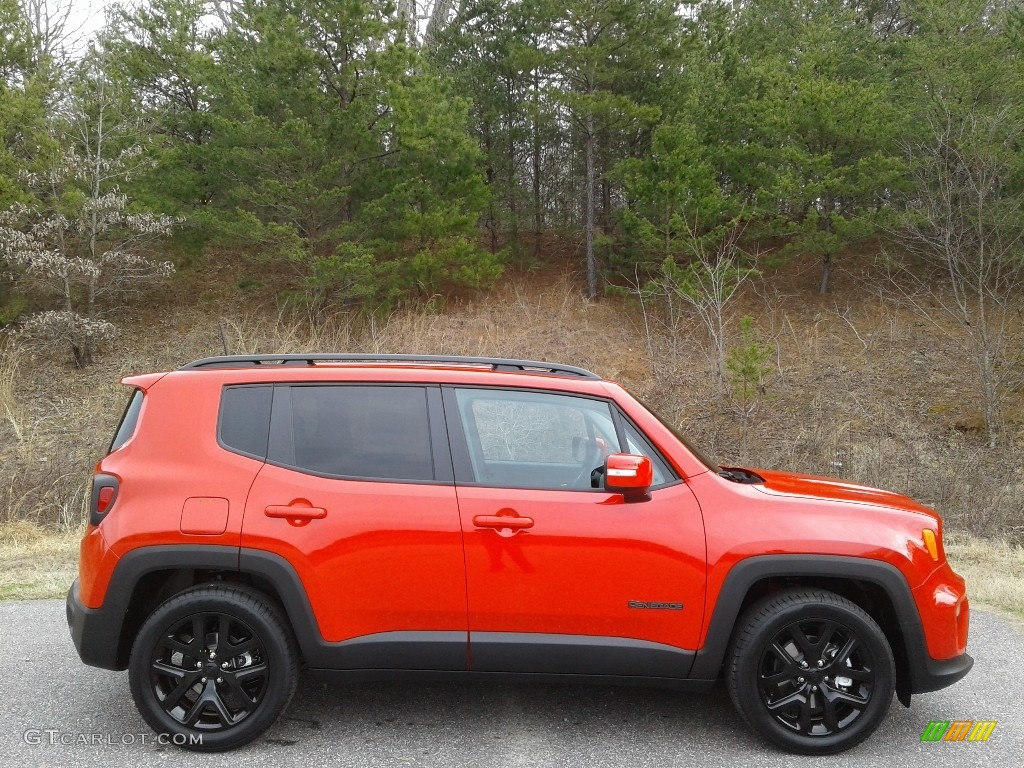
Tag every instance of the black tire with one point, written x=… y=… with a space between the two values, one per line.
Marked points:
x=810 y=672
x=213 y=667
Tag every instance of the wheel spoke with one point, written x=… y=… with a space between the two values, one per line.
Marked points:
x=176 y=646
x=828 y=629
x=223 y=632
x=171 y=699
x=835 y=696
x=246 y=673
x=195 y=711
x=235 y=686
x=787 y=701
x=863 y=675
x=846 y=651
x=773 y=676
x=800 y=638
x=218 y=703
x=163 y=668
x=245 y=646
x=783 y=654
x=805 y=715
x=828 y=711
x=198 y=632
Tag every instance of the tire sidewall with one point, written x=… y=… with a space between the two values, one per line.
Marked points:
x=261 y=618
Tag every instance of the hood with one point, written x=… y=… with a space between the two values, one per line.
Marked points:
x=810 y=486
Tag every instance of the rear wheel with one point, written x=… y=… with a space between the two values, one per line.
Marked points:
x=213 y=667
x=811 y=671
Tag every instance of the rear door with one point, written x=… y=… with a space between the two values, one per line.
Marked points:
x=358 y=496
x=564 y=577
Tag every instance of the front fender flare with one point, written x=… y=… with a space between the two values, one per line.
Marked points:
x=920 y=672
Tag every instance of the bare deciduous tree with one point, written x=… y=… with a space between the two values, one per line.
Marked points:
x=967 y=221
x=706 y=286
x=55 y=33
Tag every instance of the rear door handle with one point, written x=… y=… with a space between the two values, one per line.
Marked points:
x=502 y=521
x=297 y=513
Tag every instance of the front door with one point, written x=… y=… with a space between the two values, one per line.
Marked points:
x=562 y=576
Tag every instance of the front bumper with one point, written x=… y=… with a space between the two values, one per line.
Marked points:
x=929 y=674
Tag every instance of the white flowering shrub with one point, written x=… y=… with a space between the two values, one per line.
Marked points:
x=59 y=327
x=78 y=241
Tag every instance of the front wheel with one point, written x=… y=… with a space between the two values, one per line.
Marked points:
x=213 y=667
x=810 y=671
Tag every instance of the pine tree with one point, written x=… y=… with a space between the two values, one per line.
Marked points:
x=818 y=122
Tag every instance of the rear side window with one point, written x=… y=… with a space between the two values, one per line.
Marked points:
x=244 y=424
x=354 y=431
x=129 y=421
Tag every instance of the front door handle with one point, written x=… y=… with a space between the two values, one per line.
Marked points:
x=298 y=513
x=502 y=521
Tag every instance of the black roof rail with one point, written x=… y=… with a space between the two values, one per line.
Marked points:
x=496 y=363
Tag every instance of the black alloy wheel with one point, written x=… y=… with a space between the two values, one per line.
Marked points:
x=811 y=672
x=213 y=667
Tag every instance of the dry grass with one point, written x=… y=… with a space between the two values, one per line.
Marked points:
x=994 y=571
x=37 y=563
x=10 y=408
x=863 y=389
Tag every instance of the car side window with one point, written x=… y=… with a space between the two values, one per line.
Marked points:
x=520 y=439
x=354 y=431
x=637 y=444
x=244 y=423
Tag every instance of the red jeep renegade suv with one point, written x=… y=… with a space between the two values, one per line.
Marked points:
x=379 y=515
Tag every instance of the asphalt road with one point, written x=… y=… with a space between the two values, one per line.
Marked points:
x=47 y=696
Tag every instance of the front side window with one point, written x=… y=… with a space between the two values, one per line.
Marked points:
x=536 y=439
x=638 y=445
x=353 y=431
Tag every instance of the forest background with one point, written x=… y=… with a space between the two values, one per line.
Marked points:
x=794 y=227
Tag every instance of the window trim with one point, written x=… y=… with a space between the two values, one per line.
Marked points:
x=440 y=456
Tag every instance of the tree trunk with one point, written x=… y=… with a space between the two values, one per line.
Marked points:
x=407 y=15
x=606 y=187
x=538 y=213
x=826 y=260
x=826 y=272
x=513 y=187
x=591 y=258
x=492 y=224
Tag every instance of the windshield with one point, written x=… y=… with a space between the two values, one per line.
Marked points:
x=701 y=456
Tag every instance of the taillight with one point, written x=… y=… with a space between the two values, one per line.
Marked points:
x=104 y=494
x=103 y=499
